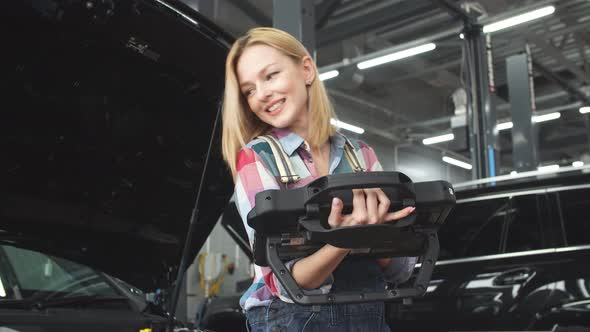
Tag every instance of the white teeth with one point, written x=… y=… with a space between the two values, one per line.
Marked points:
x=275 y=106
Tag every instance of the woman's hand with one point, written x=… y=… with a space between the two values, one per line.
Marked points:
x=369 y=206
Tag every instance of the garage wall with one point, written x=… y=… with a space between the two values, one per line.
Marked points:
x=218 y=242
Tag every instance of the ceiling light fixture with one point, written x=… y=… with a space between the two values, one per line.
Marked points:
x=456 y=162
x=546 y=117
x=585 y=109
x=396 y=56
x=438 y=139
x=519 y=19
x=578 y=163
x=504 y=125
x=328 y=75
x=347 y=126
x=548 y=168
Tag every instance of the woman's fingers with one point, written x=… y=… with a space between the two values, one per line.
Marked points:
x=359 y=207
x=335 y=217
x=372 y=203
x=384 y=204
x=370 y=206
x=399 y=214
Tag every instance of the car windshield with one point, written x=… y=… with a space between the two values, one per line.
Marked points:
x=32 y=275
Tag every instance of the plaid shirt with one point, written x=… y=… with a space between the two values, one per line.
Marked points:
x=257 y=171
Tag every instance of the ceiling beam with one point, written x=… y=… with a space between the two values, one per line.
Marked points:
x=564 y=84
x=402 y=29
x=384 y=111
x=557 y=55
x=456 y=11
x=445 y=120
x=351 y=115
x=253 y=12
x=370 y=21
x=417 y=72
x=580 y=38
x=418 y=66
x=323 y=11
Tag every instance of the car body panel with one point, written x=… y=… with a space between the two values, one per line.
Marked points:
x=105 y=145
x=510 y=260
x=109 y=110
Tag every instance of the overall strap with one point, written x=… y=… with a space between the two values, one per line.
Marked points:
x=287 y=175
x=285 y=168
x=349 y=151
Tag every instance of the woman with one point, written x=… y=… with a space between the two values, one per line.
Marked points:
x=272 y=88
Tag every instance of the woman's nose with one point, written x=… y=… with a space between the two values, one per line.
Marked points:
x=263 y=92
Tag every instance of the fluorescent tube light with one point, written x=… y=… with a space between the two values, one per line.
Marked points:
x=536 y=119
x=585 y=109
x=504 y=125
x=546 y=117
x=438 y=139
x=456 y=162
x=578 y=163
x=519 y=19
x=347 y=126
x=396 y=56
x=328 y=75
x=548 y=168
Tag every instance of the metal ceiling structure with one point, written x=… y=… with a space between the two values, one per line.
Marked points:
x=408 y=100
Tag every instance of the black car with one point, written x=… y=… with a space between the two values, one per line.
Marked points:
x=514 y=257
x=108 y=111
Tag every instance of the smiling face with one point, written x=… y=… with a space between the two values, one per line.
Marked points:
x=274 y=86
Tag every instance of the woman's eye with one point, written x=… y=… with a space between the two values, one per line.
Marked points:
x=271 y=75
x=248 y=92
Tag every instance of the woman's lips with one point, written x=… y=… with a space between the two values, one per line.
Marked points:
x=278 y=109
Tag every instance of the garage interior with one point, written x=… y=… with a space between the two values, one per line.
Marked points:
x=538 y=69
x=403 y=102
x=114 y=183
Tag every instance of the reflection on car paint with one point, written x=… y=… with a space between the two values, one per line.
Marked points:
x=2 y=291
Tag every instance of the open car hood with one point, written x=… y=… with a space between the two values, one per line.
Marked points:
x=108 y=110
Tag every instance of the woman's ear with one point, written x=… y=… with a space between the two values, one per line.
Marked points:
x=308 y=70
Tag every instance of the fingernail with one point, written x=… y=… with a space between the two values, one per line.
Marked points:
x=334 y=201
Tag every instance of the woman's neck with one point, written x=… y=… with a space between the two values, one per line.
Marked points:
x=321 y=157
x=301 y=125
x=322 y=150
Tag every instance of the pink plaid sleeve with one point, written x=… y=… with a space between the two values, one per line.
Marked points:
x=369 y=157
x=254 y=176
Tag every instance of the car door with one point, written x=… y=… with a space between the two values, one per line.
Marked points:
x=569 y=303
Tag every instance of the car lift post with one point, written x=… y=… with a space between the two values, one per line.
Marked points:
x=481 y=118
x=296 y=17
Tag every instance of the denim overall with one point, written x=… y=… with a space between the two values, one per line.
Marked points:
x=351 y=275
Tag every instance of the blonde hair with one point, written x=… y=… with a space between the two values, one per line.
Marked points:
x=240 y=125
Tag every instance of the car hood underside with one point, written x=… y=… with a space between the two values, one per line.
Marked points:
x=112 y=109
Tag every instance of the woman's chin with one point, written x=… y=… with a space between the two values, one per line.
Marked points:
x=283 y=120
x=280 y=123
